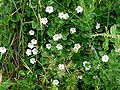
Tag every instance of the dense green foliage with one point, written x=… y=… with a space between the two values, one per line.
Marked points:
x=18 y=17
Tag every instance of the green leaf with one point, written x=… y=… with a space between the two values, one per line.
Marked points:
x=34 y=25
x=5 y=85
x=113 y=29
x=65 y=34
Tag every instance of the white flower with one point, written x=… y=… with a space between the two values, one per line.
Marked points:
x=28 y=52
x=61 y=14
x=59 y=36
x=80 y=77
x=32 y=61
x=48 y=46
x=44 y=20
x=31 y=45
x=31 y=32
x=86 y=65
x=76 y=47
x=49 y=9
x=59 y=46
x=65 y=16
x=3 y=50
x=34 y=51
x=55 y=37
x=55 y=82
x=34 y=41
x=79 y=9
x=105 y=58
x=72 y=30
x=61 y=66
x=97 y=25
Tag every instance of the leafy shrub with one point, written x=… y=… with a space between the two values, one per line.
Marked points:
x=60 y=45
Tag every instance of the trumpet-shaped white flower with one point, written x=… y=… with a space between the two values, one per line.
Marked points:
x=72 y=30
x=105 y=58
x=31 y=45
x=61 y=66
x=86 y=65
x=55 y=82
x=44 y=20
x=48 y=46
x=49 y=9
x=28 y=52
x=97 y=25
x=65 y=16
x=34 y=41
x=3 y=50
x=31 y=32
x=79 y=9
x=59 y=46
x=32 y=61
x=34 y=51
x=60 y=15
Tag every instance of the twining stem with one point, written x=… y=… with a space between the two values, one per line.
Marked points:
x=106 y=35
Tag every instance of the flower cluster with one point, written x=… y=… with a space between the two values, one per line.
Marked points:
x=57 y=37
x=48 y=9
x=32 y=48
x=61 y=15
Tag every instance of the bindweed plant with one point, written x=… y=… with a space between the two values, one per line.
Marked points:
x=60 y=44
